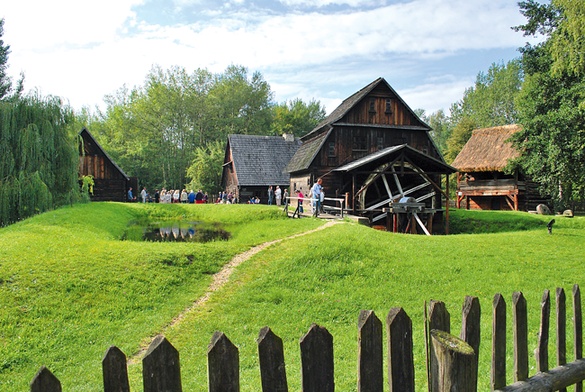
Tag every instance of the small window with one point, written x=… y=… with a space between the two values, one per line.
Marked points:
x=380 y=142
x=331 y=149
x=388 y=106
x=372 y=105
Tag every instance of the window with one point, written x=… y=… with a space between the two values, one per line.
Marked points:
x=380 y=142
x=388 y=106
x=331 y=149
x=372 y=105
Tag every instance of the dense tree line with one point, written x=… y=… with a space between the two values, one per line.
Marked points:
x=171 y=131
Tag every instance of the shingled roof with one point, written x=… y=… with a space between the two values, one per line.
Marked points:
x=306 y=153
x=353 y=100
x=261 y=160
x=488 y=149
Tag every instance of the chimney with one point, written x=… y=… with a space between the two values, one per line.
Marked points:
x=289 y=137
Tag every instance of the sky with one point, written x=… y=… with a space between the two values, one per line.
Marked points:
x=429 y=51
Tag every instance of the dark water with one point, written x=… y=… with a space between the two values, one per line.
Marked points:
x=177 y=232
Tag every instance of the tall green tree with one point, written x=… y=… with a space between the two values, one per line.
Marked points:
x=6 y=88
x=206 y=168
x=490 y=102
x=297 y=117
x=552 y=101
x=39 y=165
x=441 y=128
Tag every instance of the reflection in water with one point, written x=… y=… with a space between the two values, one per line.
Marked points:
x=184 y=232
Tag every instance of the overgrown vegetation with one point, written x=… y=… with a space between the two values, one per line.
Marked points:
x=69 y=288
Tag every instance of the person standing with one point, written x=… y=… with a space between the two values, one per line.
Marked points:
x=130 y=194
x=285 y=197
x=270 y=195
x=278 y=195
x=143 y=194
x=316 y=195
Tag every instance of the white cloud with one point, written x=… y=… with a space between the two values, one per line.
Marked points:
x=83 y=50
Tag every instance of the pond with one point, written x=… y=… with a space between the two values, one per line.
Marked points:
x=176 y=232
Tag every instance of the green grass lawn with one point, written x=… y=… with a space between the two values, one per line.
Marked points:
x=69 y=288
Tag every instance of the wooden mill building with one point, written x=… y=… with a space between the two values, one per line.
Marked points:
x=482 y=179
x=253 y=163
x=110 y=182
x=375 y=151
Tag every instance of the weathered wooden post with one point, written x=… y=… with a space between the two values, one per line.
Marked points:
x=498 y=374
x=223 y=364
x=115 y=371
x=456 y=363
x=520 y=312
x=471 y=323
x=370 y=353
x=561 y=304
x=577 y=329
x=45 y=381
x=317 y=360
x=161 y=370
x=271 y=356
x=541 y=352
x=400 y=355
x=437 y=318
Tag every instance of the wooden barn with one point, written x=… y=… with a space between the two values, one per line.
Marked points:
x=376 y=152
x=110 y=182
x=253 y=163
x=483 y=183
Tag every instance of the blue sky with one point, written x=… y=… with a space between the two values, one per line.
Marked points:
x=428 y=50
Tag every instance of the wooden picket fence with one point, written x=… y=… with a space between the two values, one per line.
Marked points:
x=452 y=362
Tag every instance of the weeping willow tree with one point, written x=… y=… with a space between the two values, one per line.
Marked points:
x=39 y=159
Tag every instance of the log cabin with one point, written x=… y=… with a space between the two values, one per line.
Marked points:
x=374 y=151
x=253 y=163
x=110 y=181
x=484 y=180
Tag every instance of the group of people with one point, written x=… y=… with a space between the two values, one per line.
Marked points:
x=226 y=197
x=276 y=195
x=170 y=196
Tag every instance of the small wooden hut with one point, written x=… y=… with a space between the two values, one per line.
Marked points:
x=110 y=182
x=253 y=163
x=482 y=181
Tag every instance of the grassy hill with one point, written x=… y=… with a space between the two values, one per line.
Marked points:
x=70 y=288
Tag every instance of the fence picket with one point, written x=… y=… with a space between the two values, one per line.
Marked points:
x=541 y=352
x=161 y=370
x=271 y=358
x=520 y=313
x=561 y=305
x=45 y=381
x=577 y=329
x=317 y=360
x=370 y=353
x=223 y=364
x=400 y=347
x=115 y=371
x=498 y=374
x=471 y=324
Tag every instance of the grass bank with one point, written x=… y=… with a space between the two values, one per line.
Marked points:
x=69 y=288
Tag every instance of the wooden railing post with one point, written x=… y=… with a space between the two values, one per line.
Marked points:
x=317 y=360
x=161 y=370
x=456 y=363
x=223 y=364
x=498 y=376
x=541 y=352
x=520 y=335
x=271 y=358
x=370 y=353
x=400 y=355
x=115 y=371
x=45 y=381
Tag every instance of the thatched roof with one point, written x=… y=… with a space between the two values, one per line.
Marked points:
x=488 y=149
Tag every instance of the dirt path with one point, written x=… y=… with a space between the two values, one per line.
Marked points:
x=220 y=279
